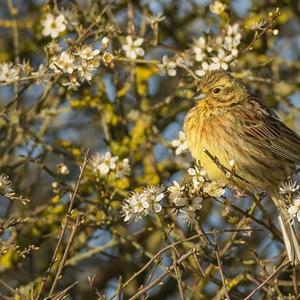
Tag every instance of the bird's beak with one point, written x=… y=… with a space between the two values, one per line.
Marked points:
x=199 y=96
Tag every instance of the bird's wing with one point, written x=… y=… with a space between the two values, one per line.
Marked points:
x=263 y=127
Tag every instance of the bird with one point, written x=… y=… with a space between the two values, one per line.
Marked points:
x=228 y=123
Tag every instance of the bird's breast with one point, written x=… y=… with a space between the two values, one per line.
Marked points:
x=209 y=132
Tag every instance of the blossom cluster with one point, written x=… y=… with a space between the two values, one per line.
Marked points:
x=10 y=72
x=218 y=52
x=140 y=204
x=185 y=197
x=209 y=53
x=80 y=63
x=103 y=163
x=188 y=196
x=168 y=67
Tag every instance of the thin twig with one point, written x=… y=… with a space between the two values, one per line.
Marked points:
x=294 y=279
x=58 y=295
x=163 y=275
x=179 y=279
x=221 y=269
x=199 y=266
x=155 y=257
x=281 y=266
x=62 y=233
x=158 y=261
x=65 y=255
x=11 y=289
x=273 y=229
x=119 y=289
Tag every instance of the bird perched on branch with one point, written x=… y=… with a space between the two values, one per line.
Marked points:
x=229 y=123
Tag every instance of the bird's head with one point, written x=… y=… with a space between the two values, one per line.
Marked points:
x=220 y=87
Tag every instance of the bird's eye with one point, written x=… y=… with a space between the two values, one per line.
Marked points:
x=216 y=90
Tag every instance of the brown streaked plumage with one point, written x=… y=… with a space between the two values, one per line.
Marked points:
x=231 y=123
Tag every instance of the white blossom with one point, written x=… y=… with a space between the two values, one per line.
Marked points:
x=294 y=210
x=167 y=67
x=180 y=143
x=199 y=48
x=189 y=212
x=188 y=215
x=123 y=168
x=25 y=67
x=8 y=72
x=85 y=71
x=187 y=197
x=192 y=171
x=220 y=61
x=127 y=212
x=102 y=163
x=72 y=17
x=62 y=63
x=213 y=189
x=196 y=203
x=289 y=187
x=53 y=25
x=133 y=47
x=72 y=83
x=154 y=194
x=87 y=62
x=53 y=48
x=177 y=195
x=154 y=19
x=40 y=72
x=105 y=42
x=185 y=200
x=135 y=207
x=140 y=204
x=204 y=68
x=233 y=37
x=87 y=53
x=184 y=60
x=198 y=178
x=226 y=45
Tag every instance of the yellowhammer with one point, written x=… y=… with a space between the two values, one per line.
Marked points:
x=229 y=123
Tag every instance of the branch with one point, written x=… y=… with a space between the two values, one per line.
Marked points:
x=62 y=233
x=281 y=266
x=163 y=275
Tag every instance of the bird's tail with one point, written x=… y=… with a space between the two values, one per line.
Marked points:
x=288 y=231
